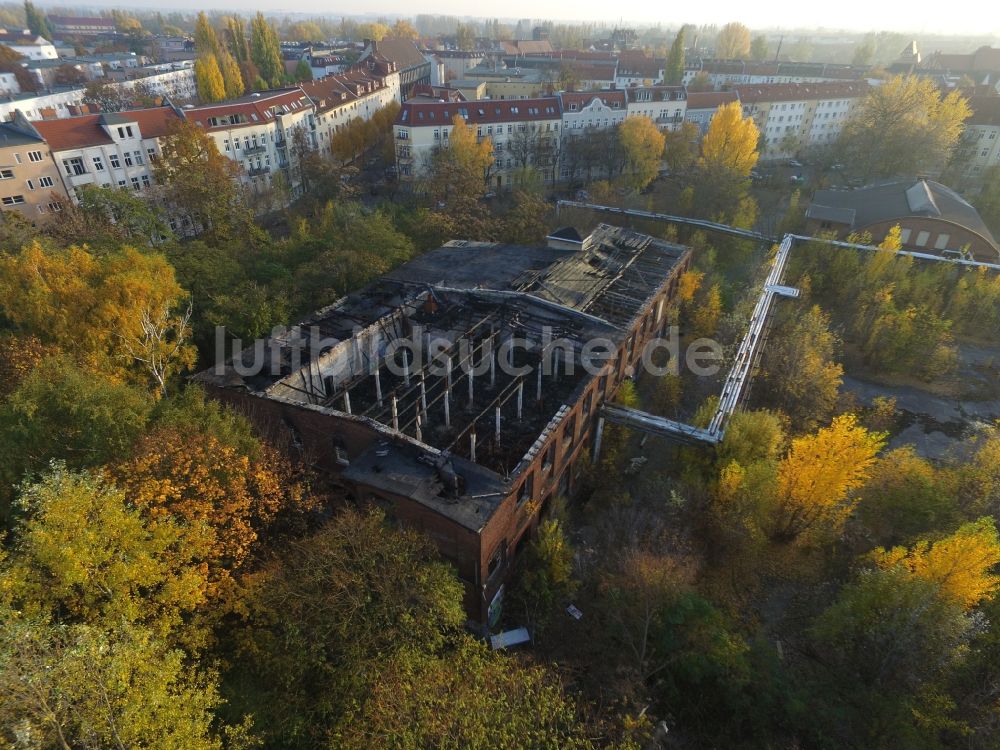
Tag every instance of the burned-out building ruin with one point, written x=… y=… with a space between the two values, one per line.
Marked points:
x=459 y=392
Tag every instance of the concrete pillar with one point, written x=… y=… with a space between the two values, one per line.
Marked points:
x=406 y=368
x=419 y=432
x=395 y=413
x=347 y=402
x=472 y=447
x=447 y=407
x=423 y=395
x=520 y=399
x=498 y=426
x=378 y=387
x=472 y=393
x=538 y=386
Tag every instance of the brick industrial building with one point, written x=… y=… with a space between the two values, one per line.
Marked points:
x=455 y=444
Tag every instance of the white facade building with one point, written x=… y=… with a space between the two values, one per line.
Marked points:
x=664 y=105
x=28 y=45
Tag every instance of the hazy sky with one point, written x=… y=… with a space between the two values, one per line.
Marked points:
x=963 y=16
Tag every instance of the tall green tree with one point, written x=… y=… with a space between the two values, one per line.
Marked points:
x=265 y=50
x=206 y=42
x=674 y=74
x=758 y=48
x=37 y=22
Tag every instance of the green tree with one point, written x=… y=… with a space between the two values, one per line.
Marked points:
x=800 y=369
x=758 y=48
x=303 y=71
x=108 y=218
x=62 y=412
x=674 y=73
x=545 y=576
x=904 y=126
x=205 y=40
x=681 y=148
x=886 y=644
x=200 y=184
x=36 y=21
x=265 y=50
x=465 y=37
x=988 y=200
x=328 y=614
x=468 y=698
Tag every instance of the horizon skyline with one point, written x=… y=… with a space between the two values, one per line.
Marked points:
x=775 y=18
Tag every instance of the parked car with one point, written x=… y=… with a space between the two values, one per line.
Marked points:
x=794 y=163
x=836 y=167
x=796 y=179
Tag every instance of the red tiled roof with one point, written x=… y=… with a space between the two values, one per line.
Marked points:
x=710 y=99
x=789 y=92
x=254 y=109
x=87 y=130
x=422 y=114
x=659 y=93
x=73 y=132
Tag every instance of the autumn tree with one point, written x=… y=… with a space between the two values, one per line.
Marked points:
x=239 y=48
x=643 y=144
x=10 y=63
x=545 y=576
x=733 y=42
x=232 y=78
x=114 y=296
x=730 y=143
x=208 y=79
x=815 y=478
x=403 y=29
x=456 y=174
x=674 y=73
x=199 y=183
x=109 y=218
x=465 y=37
x=988 y=200
x=265 y=50
x=903 y=126
x=960 y=565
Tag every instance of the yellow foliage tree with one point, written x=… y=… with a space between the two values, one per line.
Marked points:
x=814 y=479
x=114 y=312
x=232 y=78
x=960 y=564
x=730 y=141
x=208 y=78
x=733 y=42
x=643 y=144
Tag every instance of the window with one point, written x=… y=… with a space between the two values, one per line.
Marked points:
x=125 y=131
x=6 y=174
x=138 y=157
x=527 y=489
x=904 y=235
x=13 y=200
x=55 y=206
x=151 y=153
x=128 y=159
x=121 y=184
x=496 y=560
x=569 y=431
x=135 y=183
x=549 y=457
x=922 y=238
x=115 y=164
x=942 y=241
x=17 y=158
x=35 y=156
x=226 y=143
x=145 y=180
x=98 y=164
x=30 y=184
x=74 y=166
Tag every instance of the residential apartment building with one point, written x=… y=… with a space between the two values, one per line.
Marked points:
x=639 y=70
x=413 y=68
x=793 y=116
x=106 y=150
x=702 y=106
x=28 y=45
x=64 y=103
x=723 y=73
x=524 y=133
x=356 y=94
x=257 y=132
x=583 y=110
x=981 y=138
x=29 y=180
x=664 y=105
x=454 y=63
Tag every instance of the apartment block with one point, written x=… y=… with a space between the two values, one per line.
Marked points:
x=29 y=181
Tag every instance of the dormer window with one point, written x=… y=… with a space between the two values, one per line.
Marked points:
x=125 y=131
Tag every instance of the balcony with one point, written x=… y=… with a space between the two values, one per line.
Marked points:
x=258 y=171
x=253 y=150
